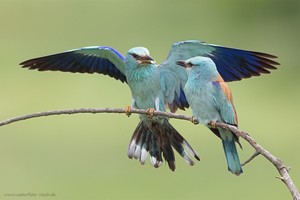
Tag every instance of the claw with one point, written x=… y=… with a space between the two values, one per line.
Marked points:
x=213 y=124
x=128 y=111
x=150 y=112
x=195 y=120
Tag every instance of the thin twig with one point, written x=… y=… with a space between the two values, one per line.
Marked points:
x=282 y=169
x=251 y=158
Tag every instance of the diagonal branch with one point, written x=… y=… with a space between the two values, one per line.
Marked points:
x=282 y=169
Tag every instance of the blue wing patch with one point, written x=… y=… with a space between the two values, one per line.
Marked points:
x=180 y=101
x=97 y=59
x=232 y=64
x=236 y=64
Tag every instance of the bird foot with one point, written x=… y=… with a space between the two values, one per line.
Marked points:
x=150 y=112
x=194 y=120
x=213 y=124
x=128 y=111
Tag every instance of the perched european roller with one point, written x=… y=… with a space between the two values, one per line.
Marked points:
x=156 y=87
x=211 y=100
x=154 y=134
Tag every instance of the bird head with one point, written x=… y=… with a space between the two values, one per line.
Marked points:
x=199 y=65
x=139 y=55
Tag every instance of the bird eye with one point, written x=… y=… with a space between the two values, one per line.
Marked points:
x=189 y=64
x=135 y=56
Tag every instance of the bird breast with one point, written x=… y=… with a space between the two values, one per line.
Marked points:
x=145 y=86
x=201 y=100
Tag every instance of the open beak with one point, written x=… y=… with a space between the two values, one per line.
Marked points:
x=183 y=63
x=146 y=60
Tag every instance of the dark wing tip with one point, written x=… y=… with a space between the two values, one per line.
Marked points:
x=237 y=64
x=267 y=58
x=23 y=63
x=197 y=157
x=27 y=63
x=77 y=61
x=265 y=54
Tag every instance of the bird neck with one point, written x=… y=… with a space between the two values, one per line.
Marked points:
x=138 y=72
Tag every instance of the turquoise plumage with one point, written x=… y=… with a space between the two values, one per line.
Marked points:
x=156 y=86
x=211 y=100
x=154 y=134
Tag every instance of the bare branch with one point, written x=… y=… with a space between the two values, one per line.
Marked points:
x=90 y=110
x=282 y=169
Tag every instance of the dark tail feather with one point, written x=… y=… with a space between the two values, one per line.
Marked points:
x=158 y=140
x=161 y=137
x=141 y=143
x=155 y=151
x=232 y=156
x=180 y=144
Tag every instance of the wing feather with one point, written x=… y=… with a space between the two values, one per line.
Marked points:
x=97 y=59
x=224 y=102
x=232 y=64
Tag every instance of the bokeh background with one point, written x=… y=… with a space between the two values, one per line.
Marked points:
x=85 y=156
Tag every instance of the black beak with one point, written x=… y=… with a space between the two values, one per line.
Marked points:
x=182 y=63
x=147 y=60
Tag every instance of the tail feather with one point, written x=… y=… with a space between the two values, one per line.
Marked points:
x=155 y=152
x=231 y=154
x=182 y=142
x=182 y=147
x=138 y=149
x=159 y=139
x=179 y=148
x=134 y=140
x=145 y=148
x=161 y=135
x=168 y=151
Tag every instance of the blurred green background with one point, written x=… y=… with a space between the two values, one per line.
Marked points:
x=85 y=156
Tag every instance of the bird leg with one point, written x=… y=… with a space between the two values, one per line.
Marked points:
x=150 y=112
x=128 y=111
x=194 y=120
x=213 y=124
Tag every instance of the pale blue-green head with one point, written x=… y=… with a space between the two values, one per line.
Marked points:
x=200 y=66
x=139 y=56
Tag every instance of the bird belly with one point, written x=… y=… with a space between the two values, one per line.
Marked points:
x=146 y=92
x=205 y=113
x=203 y=106
x=144 y=98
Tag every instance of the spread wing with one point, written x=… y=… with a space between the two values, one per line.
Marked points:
x=232 y=64
x=95 y=59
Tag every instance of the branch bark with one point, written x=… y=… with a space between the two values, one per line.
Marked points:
x=282 y=169
x=93 y=111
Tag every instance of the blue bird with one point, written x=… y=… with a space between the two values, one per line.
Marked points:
x=211 y=100
x=156 y=86
x=154 y=134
